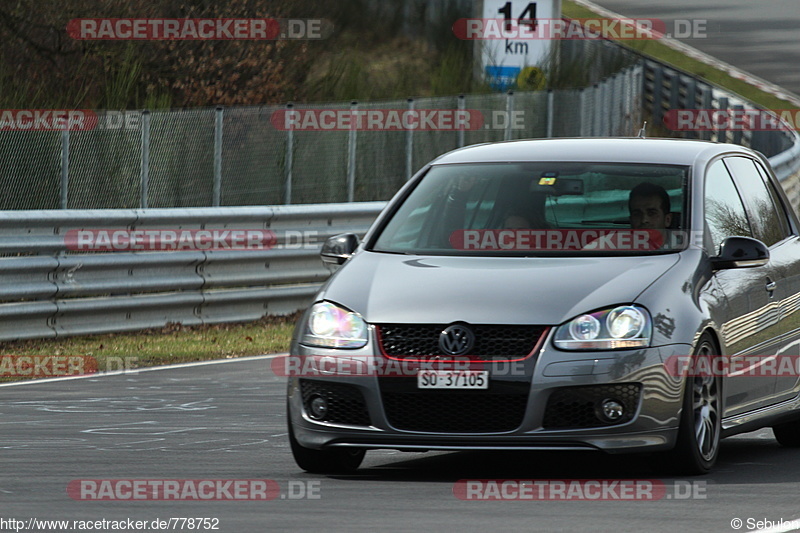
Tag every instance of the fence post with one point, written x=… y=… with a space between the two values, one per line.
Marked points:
x=691 y=102
x=217 y=192
x=64 y=167
x=628 y=103
x=462 y=106
x=722 y=134
x=145 y=170
x=738 y=110
x=351 y=157
x=287 y=186
x=707 y=98
x=637 y=112
x=509 y=113
x=596 y=111
x=410 y=144
x=605 y=115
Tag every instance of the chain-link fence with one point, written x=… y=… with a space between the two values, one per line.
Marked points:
x=248 y=156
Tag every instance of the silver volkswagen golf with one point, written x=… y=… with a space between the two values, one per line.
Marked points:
x=623 y=295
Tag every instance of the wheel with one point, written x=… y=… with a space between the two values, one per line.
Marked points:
x=333 y=461
x=700 y=426
x=788 y=434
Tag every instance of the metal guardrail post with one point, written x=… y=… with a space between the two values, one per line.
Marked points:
x=409 y=145
x=509 y=113
x=351 y=158
x=145 y=169
x=658 y=88
x=691 y=94
x=64 y=167
x=674 y=90
x=217 y=191
x=287 y=178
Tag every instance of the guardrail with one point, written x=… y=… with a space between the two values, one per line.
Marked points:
x=666 y=88
x=49 y=289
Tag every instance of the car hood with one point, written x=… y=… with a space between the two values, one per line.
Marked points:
x=392 y=288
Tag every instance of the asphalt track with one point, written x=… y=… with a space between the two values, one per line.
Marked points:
x=226 y=422
x=758 y=36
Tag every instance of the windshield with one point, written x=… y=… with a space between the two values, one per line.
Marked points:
x=541 y=209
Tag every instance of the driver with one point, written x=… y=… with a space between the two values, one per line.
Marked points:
x=649 y=207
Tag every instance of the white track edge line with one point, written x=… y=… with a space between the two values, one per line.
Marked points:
x=145 y=369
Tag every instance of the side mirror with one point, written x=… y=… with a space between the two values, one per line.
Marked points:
x=740 y=252
x=338 y=249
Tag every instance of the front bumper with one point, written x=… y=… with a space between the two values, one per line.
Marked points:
x=483 y=419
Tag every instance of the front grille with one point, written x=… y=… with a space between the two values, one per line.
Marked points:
x=577 y=407
x=345 y=402
x=492 y=342
x=449 y=411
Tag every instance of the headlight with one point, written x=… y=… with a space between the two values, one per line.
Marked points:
x=331 y=326
x=627 y=326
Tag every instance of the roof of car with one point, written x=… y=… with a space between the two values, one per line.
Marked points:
x=593 y=149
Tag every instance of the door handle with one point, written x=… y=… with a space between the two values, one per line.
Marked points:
x=771 y=285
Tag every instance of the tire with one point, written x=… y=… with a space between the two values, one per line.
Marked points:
x=333 y=461
x=699 y=432
x=788 y=434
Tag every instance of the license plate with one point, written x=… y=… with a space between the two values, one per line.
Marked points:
x=453 y=379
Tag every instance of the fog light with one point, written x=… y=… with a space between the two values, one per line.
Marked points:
x=318 y=407
x=612 y=410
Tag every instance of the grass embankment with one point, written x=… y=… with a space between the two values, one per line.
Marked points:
x=161 y=346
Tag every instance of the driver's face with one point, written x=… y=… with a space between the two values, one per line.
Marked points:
x=646 y=213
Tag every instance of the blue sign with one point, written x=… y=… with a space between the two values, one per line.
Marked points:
x=502 y=78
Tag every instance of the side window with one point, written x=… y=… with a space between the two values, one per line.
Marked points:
x=725 y=214
x=782 y=215
x=767 y=226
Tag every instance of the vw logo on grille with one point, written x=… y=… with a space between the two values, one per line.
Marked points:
x=456 y=339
